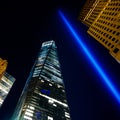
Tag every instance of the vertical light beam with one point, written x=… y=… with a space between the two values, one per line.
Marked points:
x=91 y=58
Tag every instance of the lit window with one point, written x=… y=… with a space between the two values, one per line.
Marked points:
x=28 y=110
x=118 y=33
x=32 y=108
x=50 y=84
x=42 y=80
x=28 y=118
x=50 y=101
x=50 y=118
x=67 y=115
x=29 y=114
x=54 y=105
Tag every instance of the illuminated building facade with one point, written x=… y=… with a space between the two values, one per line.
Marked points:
x=3 y=66
x=91 y=10
x=43 y=97
x=6 y=83
x=103 y=20
x=106 y=28
x=87 y=10
x=95 y=11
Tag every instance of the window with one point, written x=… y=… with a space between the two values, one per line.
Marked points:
x=111 y=24
x=50 y=118
x=112 y=46
x=104 y=34
x=106 y=42
x=113 y=39
x=107 y=35
x=110 y=37
x=115 y=50
x=118 y=27
x=109 y=44
x=107 y=29
x=116 y=41
x=118 y=33
x=114 y=26
x=110 y=31
x=103 y=40
x=114 y=32
x=38 y=115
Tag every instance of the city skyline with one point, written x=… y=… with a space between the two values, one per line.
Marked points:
x=27 y=28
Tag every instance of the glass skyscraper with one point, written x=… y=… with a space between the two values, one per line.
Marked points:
x=6 y=83
x=43 y=97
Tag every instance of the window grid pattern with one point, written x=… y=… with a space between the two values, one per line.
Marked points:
x=86 y=8
x=98 y=8
x=106 y=28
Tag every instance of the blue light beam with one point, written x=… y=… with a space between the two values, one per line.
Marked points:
x=91 y=58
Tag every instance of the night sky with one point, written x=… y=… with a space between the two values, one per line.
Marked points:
x=24 y=25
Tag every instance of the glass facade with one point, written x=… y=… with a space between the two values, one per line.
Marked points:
x=6 y=83
x=43 y=97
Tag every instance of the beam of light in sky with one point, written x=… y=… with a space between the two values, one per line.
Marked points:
x=93 y=61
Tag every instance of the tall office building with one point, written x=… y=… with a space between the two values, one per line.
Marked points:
x=104 y=25
x=95 y=11
x=6 y=83
x=87 y=9
x=106 y=28
x=43 y=97
x=3 y=66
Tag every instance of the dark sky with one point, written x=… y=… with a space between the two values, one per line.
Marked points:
x=24 y=25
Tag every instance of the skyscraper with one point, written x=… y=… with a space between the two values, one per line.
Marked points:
x=94 y=12
x=87 y=10
x=43 y=97
x=6 y=83
x=105 y=27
